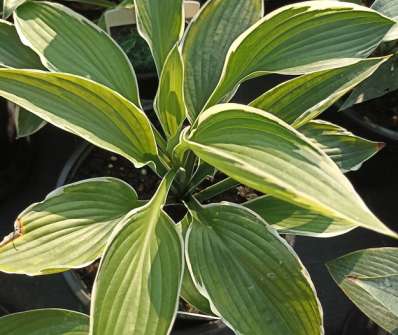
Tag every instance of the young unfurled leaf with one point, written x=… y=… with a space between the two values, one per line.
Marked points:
x=68 y=42
x=302 y=38
x=261 y=151
x=85 y=108
x=161 y=23
x=302 y=99
x=348 y=151
x=138 y=283
x=45 y=322
x=169 y=102
x=253 y=279
x=68 y=229
x=369 y=278
x=291 y=219
x=206 y=44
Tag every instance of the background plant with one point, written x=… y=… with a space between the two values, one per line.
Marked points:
x=225 y=256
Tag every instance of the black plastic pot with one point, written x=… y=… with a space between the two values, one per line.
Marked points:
x=186 y=323
x=376 y=130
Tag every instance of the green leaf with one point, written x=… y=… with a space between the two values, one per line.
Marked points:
x=26 y=123
x=368 y=277
x=85 y=108
x=387 y=7
x=45 y=322
x=68 y=229
x=291 y=219
x=12 y=52
x=169 y=102
x=189 y=292
x=305 y=37
x=253 y=279
x=300 y=100
x=138 y=283
x=259 y=150
x=348 y=151
x=161 y=24
x=383 y=81
x=67 y=42
x=206 y=44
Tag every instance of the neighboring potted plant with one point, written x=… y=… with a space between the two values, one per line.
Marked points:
x=230 y=256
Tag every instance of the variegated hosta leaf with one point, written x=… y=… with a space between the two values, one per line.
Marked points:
x=189 y=292
x=67 y=42
x=291 y=219
x=261 y=151
x=85 y=108
x=302 y=38
x=383 y=81
x=161 y=24
x=253 y=279
x=300 y=100
x=206 y=44
x=138 y=283
x=45 y=322
x=12 y=52
x=169 y=102
x=68 y=229
x=348 y=151
x=26 y=123
x=369 y=278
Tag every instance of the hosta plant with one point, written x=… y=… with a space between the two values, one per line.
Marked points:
x=224 y=258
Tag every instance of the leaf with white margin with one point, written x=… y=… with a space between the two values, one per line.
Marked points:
x=68 y=42
x=302 y=99
x=189 y=292
x=138 y=284
x=306 y=37
x=348 y=151
x=261 y=151
x=367 y=278
x=68 y=229
x=251 y=276
x=291 y=219
x=45 y=322
x=206 y=44
x=85 y=108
